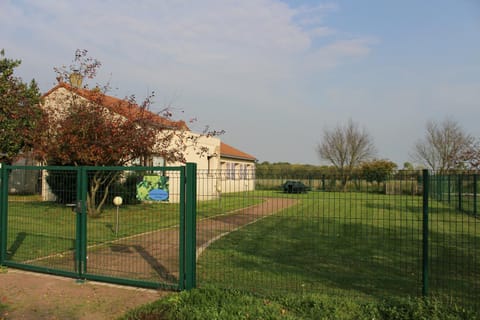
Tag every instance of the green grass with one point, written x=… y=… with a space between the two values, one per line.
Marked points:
x=367 y=246
x=211 y=304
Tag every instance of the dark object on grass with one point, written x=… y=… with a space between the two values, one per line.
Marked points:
x=294 y=187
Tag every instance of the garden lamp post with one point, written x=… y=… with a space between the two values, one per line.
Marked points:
x=117 y=201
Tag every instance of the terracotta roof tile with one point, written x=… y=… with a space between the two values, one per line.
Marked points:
x=231 y=152
x=119 y=106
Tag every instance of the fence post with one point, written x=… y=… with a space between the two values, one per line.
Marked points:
x=3 y=212
x=82 y=190
x=425 y=233
x=475 y=194
x=190 y=226
x=449 y=188
x=460 y=183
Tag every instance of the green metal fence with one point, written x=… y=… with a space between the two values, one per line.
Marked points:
x=59 y=226
x=373 y=240
x=458 y=190
x=417 y=233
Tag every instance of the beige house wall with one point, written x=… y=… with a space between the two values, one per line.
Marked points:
x=217 y=175
x=206 y=154
x=236 y=175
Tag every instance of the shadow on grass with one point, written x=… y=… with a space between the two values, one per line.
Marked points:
x=19 y=239
x=27 y=246
x=410 y=208
x=321 y=255
x=329 y=255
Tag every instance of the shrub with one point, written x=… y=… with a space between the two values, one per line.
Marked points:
x=424 y=309
x=63 y=184
x=211 y=303
x=126 y=188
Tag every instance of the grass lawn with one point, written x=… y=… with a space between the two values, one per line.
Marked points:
x=367 y=246
x=214 y=303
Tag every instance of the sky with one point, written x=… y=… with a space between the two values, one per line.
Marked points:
x=274 y=74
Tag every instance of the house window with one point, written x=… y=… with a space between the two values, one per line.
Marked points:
x=223 y=170
x=243 y=171
x=158 y=162
x=251 y=171
x=210 y=161
x=230 y=171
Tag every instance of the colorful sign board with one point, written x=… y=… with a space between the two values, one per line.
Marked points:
x=153 y=188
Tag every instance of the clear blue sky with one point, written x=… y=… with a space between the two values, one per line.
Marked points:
x=271 y=73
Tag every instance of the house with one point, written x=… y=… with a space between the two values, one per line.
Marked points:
x=221 y=168
x=237 y=169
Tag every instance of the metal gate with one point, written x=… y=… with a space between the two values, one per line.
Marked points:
x=125 y=225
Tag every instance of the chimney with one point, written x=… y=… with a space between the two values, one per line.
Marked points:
x=76 y=79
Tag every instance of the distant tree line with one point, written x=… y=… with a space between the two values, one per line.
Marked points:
x=371 y=171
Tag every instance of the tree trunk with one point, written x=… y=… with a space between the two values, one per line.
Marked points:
x=94 y=207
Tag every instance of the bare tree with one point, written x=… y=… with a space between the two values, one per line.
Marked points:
x=443 y=145
x=345 y=147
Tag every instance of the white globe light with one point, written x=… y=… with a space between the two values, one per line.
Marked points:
x=117 y=201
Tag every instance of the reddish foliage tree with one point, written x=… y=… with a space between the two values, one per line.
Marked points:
x=89 y=128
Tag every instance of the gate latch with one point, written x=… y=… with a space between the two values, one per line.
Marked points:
x=76 y=207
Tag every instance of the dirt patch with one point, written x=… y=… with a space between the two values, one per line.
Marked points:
x=39 y=296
